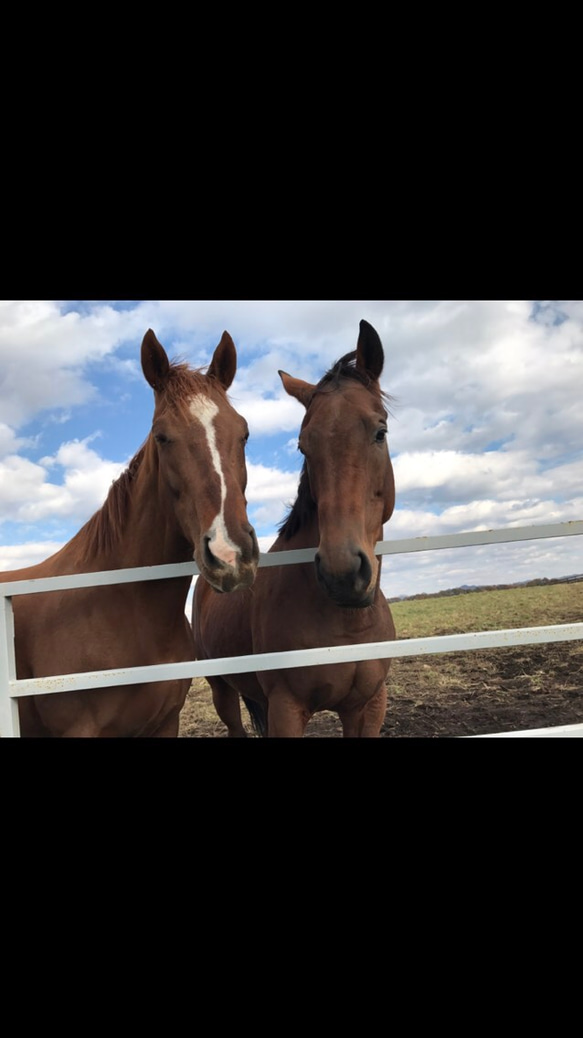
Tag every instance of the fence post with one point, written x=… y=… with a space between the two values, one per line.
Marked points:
x=9 y=719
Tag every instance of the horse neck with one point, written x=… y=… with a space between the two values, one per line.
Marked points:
x=150 y=535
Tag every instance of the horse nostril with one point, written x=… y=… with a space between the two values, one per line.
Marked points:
x=365 y=568
x=208 y=555
x=355 y=567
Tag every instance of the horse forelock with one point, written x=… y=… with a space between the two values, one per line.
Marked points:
x=183 y=383
x=345 y=368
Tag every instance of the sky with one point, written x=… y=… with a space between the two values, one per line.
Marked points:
x=485 y=431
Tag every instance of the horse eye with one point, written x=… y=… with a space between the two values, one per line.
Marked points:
x=161 y=438
x=381 y=435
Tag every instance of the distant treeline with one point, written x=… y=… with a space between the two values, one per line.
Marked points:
x=466 y=589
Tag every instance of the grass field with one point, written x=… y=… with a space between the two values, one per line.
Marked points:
x=489 y=610
x=463 y=693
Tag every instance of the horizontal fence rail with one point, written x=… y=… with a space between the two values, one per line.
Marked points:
x=11 y=688
x=298 y=658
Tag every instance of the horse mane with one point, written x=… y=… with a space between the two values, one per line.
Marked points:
x=303 y=507
x=103 y=530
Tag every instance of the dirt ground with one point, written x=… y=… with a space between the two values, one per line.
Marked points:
x=466 y=693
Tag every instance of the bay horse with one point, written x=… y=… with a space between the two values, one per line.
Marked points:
x=346 y=492
x=181 y=498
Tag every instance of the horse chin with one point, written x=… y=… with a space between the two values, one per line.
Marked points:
x=348 y=602
x=229 y=579
x=347 y=597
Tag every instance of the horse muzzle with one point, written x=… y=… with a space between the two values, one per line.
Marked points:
x=350 y=585
x=229 y=567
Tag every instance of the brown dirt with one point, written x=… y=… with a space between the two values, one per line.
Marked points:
x=466 y=693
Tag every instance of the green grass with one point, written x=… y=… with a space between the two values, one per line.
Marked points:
x=489 y=610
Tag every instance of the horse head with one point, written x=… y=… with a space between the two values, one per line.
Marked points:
x=347 y=475
x=198 y=443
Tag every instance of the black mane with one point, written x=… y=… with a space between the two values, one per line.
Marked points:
x=301 y=510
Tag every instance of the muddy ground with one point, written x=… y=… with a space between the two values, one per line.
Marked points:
x=466 y=693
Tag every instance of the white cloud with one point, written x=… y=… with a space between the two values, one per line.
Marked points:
x=488 y=373
x=18 y=556
x=43 y=353
x=270 y=484
x=9 y=442
x=265 y=417
x=270 y=492
x=27 y=495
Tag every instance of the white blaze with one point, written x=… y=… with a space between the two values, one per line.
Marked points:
x=221 y=545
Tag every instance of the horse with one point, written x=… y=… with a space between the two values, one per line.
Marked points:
x=346 y=492
x=182 y=497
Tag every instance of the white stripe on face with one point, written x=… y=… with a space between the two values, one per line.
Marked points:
x=221 y=545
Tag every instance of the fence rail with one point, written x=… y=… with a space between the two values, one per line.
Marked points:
x=11 y=688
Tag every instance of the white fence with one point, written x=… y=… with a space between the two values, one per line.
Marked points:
x=11 y=688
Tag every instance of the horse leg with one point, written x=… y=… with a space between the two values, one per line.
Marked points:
x=286 y=717
x=365 y=722
x=228 y=706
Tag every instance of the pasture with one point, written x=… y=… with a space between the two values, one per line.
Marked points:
x=465 y=693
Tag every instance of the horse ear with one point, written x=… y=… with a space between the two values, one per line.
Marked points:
x=296 y=387
x=155 y=363
x=223 y=366
x=369 y=351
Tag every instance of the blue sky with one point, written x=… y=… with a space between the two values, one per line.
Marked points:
x=486 y=428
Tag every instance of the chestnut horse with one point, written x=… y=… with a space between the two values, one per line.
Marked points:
x=346 y=493
x=181 y=497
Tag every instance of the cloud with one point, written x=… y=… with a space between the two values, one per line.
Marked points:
x=44 y=354
x=9 y=442
x=270 y=492
x=483 y=372
x=268 y=417
x=18 y=556
x=28 y=496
